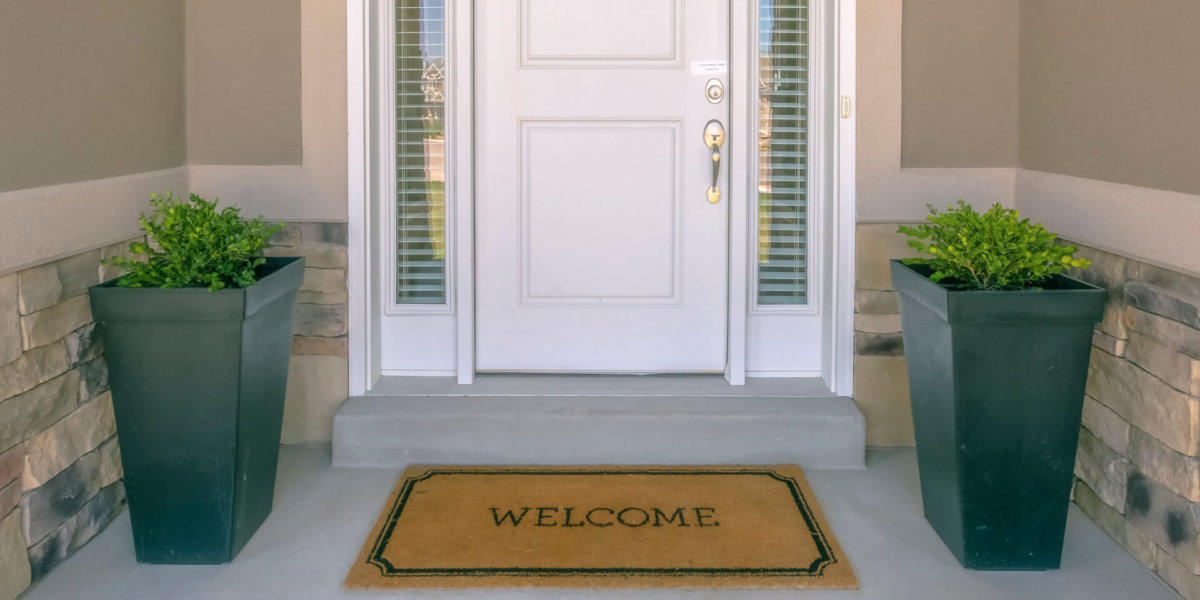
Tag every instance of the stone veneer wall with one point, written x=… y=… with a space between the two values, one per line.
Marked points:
x=60 y=469
x=880 y=373
x=319 y=373
x=1138 y=464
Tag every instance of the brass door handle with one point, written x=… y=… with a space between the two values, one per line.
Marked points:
x=714 y=138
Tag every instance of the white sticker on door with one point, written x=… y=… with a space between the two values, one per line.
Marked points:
x=709 y=67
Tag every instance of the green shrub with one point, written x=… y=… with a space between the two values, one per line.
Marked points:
x=995 y=250
x=192 y=244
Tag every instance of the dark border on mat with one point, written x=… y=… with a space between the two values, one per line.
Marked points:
x=816 y=569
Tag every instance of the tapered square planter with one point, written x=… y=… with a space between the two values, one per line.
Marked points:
x=997 y=382
x=198 y=381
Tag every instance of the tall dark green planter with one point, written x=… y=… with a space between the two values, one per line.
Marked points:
x=997 y=382
x=198 y=381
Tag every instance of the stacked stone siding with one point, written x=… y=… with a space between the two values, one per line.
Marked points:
x=318 y=376
x=60 y=467
x=880 y=373
x=1138 y=465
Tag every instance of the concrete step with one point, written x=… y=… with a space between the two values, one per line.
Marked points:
x=599 y=420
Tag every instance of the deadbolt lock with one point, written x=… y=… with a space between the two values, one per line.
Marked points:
x=714 y=90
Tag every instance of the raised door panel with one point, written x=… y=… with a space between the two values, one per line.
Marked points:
x=606 y=32
x=600 y=212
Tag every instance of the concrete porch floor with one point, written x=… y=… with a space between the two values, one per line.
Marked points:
x=322 y=516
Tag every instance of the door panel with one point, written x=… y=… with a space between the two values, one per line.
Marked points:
x=566 y=32
x=597 y=248
x=585 y=243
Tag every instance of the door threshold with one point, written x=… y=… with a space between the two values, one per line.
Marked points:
x=671 y=385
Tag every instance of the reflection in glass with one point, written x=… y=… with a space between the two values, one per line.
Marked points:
x=783 y=152
x=420 y=152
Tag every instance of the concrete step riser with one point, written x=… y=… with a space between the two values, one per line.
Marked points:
x=816 y=433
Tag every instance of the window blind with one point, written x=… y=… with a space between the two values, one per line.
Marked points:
x=783 y=153
x=420 y=152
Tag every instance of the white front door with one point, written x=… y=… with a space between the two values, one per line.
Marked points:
x=597 y=248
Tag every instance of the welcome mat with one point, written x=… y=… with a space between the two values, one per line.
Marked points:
x=697 y=527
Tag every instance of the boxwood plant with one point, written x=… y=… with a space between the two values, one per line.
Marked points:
x=192 y=244
x=993 y=250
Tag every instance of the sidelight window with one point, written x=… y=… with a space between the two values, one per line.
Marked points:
x=782 y=255
x=420 y=152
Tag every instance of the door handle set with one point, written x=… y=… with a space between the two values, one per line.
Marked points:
x=714 y=138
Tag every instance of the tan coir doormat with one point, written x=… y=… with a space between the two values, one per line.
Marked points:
x=697 y=527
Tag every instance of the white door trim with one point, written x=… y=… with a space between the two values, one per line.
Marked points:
x=460 y=136
x=363 y=30
x=743 y=118
x=840 y=377
x=363 y=351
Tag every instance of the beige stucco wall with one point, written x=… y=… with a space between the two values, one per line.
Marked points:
x=1110 y=129
x=960 y=83
x=310 y=186
x=91 y=122
x=1110 y=89
x=89 y=90
x=243 y=82
x=1100 y=96
x=887 y=190
x=1154 y=226
x=1097 y=89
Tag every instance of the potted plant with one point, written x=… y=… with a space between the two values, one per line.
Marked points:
x=997 y=342
x=197 y=337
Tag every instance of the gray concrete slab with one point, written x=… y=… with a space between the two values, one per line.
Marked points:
x=389 y=431
x=322 y=517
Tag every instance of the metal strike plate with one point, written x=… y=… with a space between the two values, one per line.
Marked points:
x=714 y=90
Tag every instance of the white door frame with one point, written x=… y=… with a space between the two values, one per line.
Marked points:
x=365 y=28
